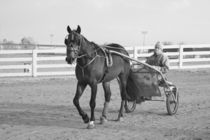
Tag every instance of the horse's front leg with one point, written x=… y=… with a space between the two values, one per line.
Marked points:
x=92 y=105
x=80 y=88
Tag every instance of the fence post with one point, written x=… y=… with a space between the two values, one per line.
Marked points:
x=180 y=56
x=135 y=52
x=34 y=61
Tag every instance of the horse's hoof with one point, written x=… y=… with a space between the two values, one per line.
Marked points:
x=86 y=118
x=103 y=120
x=120 y=119
x=91 y=125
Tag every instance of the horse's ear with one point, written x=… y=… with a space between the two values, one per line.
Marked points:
x=78 y=29
x=68 y=29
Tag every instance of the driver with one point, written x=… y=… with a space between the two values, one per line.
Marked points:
x=159 y=60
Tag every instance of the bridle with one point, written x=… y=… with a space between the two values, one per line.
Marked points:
x=71 y=48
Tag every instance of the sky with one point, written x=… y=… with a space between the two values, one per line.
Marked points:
x=107 y=21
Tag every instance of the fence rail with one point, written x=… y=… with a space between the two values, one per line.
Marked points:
x=51 y=60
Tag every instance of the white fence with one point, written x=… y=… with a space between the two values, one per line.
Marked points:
x=48 y=62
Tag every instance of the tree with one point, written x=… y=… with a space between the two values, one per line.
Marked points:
x=28 y=43
x=8 y=44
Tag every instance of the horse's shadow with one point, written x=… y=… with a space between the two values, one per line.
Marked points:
x=56 y=115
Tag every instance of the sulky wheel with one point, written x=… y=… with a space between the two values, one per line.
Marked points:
x=172 y=101
x=130 y=106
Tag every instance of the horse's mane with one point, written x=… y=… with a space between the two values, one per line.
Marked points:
x=89 y=42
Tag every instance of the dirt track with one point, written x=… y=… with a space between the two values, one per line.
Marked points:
x=42 y=109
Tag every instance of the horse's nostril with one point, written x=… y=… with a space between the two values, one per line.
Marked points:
x=69 y=60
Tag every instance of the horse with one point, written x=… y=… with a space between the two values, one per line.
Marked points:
x=92 y=69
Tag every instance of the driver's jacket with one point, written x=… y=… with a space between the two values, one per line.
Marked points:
x=160 y=60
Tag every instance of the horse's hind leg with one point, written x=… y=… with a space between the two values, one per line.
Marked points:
x=80 y=88
x=107 y=95
x=122 y=82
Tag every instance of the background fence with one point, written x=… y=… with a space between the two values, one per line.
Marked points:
x=48 y=61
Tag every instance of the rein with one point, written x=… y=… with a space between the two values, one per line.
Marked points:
x=91 y=61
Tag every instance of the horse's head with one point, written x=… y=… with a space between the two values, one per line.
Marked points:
x=73 y=44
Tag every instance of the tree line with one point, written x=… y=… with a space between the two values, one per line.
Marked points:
x=25 y=43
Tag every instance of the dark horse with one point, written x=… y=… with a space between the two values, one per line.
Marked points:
x=92 y=69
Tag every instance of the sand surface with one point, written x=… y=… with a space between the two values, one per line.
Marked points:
x=42 y=109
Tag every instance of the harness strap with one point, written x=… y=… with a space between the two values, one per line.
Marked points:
x=110 y=63
x=108 y=56
x=83 y=67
